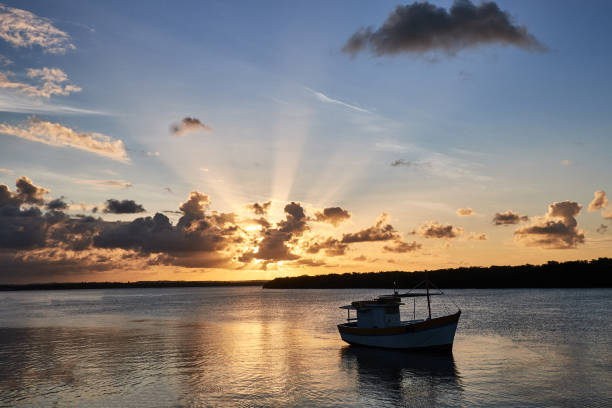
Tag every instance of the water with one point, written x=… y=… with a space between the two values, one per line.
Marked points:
x=252 y=347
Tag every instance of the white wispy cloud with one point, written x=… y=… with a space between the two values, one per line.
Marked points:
x=434 y=163
x=51 y=81
x=18 y=103
x=21 y=28
x=55 y=134
x=326 y=99
x=106 y=183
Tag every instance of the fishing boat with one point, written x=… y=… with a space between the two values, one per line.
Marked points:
x=378 y=323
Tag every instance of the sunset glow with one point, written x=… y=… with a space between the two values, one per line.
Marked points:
x=172 y=145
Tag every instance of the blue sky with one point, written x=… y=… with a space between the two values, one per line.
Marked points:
x=493 y=127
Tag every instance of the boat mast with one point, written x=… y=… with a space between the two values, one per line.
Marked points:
x=427 y=286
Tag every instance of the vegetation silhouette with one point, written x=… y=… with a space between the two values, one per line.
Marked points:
x=596 y=273
x=127 y=285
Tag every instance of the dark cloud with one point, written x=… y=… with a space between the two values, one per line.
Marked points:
x=331 y=247
x=332 y=215
x=60 y=245
x=402 y=162
x=508 y=218
x=310 y=262
x=422 y=27
x=558 y=229
x=53 y=239
x=381 y=231
x=295 y=223
x=195 y=206
x=57 y=204
x=465 y=212
x=260 y=208
x=188 y=125
x=29 y=193
x=122 y=207
x=402 y=247
x=22 y=229
x=274 y=246
x=602 y=229
x=191 y=235
x=434 y=229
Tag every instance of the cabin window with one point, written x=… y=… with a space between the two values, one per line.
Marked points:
x=392 y=309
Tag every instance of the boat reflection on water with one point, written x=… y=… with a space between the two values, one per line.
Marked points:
x=403 y=377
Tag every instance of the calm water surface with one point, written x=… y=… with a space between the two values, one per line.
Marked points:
x=255 y=347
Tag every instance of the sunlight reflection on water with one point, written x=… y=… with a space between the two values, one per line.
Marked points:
x=247 y=346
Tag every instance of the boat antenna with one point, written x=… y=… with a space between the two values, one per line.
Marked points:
x=427 y=286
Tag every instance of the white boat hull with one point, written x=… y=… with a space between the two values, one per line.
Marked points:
x=433 y=334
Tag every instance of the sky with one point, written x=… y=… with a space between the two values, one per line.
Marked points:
x=216 y=140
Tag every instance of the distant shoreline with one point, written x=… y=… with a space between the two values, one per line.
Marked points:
x=126 y=285
x=596 y=273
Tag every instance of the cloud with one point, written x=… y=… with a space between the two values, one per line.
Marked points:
x=50 y=83
x=434 y=229
x=600 y=201
x=558 y=229
x=602 y=229
x=260 y=209
x=465 y=212
x=476 y=236
x=7 y=171
x=381 y=231
x=441 y=165
x=331 y=247
x=55 y=134
x=273 y=245
x=422 y=27
x=26 y=193
x=310 y=262
x=295 y=222
x=188 y=125
x=36 y=235
x=48 y=241
x=332 y=215
x=402 y=247
x=107 y=183
x=57 y=204
x=20 y=28
x=15 y=102
x=508 y=218
x=326 y=99
x=195 y=206
x=402 y=162
x=122 y=207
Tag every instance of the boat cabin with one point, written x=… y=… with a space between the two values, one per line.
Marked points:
x=381 y=312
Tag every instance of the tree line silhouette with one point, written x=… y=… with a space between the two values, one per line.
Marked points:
x=596 y=273
x=127 y=285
